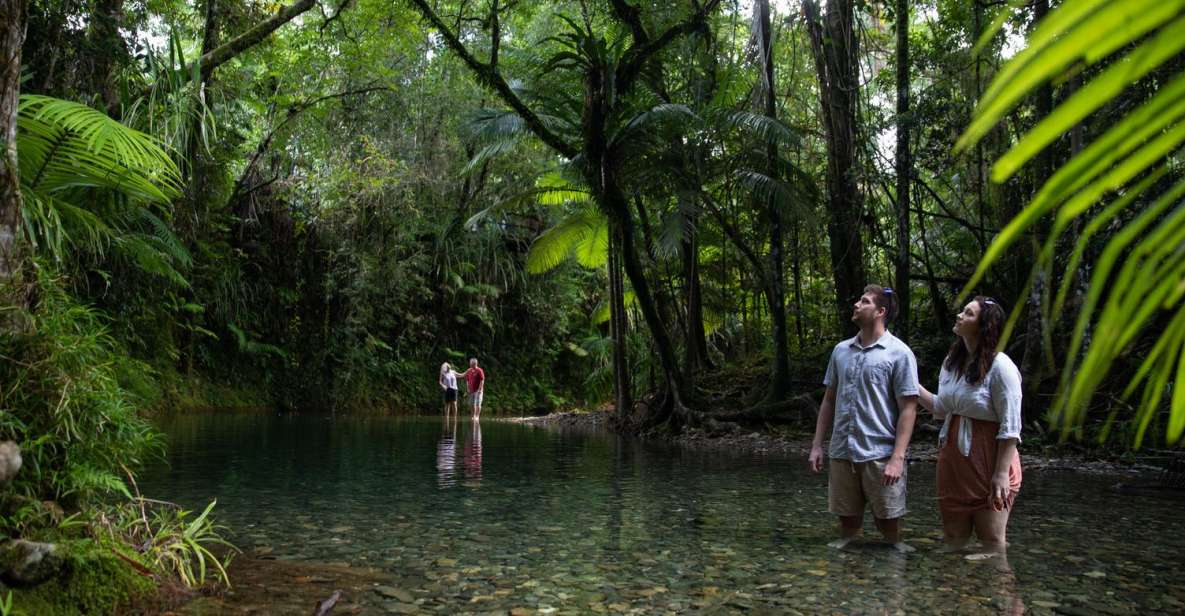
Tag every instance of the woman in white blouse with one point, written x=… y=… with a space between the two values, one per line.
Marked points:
x=448 y=385
x=978 y=400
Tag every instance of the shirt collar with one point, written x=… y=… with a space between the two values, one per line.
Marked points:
x=882 y=342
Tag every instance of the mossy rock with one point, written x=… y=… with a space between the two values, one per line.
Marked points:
x=94 y=581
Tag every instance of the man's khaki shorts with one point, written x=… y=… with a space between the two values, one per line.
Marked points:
x=851 y=486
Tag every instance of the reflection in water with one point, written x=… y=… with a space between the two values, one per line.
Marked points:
x=473 y=455
x=591 y=523
x=1009 y=599
x=446 y=452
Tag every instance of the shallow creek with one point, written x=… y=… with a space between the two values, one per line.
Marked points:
x=416 y=515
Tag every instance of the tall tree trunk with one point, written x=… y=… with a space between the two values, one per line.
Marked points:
x=194 y=209
x=601 y=176
x=796 y=268
x=622 y=395
x=779 y=384
x=904 y=171
x=108 y=49
x=618 y=209
x=833 y=41
x=12 y=248
x=696 y=344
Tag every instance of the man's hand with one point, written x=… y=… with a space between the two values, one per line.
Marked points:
x=893 y=470
x=815 y=461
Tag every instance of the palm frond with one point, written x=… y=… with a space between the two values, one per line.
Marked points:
x=66 y=145
x=493 y=125
x=790 y=201
x=592 y=251
x=147 y=253
x=765 y=128
x=1136 y=280
x=667 y=116
x=601 y=314
x=554 y=245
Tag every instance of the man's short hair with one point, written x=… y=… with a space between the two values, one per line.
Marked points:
x=884 y=297
x=472 y=360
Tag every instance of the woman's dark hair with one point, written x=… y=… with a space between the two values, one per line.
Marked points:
x=991 y=325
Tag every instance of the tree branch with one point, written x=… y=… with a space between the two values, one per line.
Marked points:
x=332 y=18
x=266 y=142
x=219 y=56
x=642 y=50
x=491 y=78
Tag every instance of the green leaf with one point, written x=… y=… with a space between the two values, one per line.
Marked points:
x=554 y=245
x=1085 y=32
x=1093 y=95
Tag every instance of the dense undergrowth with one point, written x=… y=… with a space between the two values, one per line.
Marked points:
x=75 y=402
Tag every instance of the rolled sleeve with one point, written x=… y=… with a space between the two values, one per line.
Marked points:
x=829 y=377
x=1006 y=399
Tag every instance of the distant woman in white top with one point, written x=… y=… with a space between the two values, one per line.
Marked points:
x=978 y=400
x=448 y=383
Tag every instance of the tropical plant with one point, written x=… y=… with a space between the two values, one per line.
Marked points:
x=85 y=179
x=1136 y=280
x=64 y=403
x=182 y=545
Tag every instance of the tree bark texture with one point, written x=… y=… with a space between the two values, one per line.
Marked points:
x=904 y=172
x=108 y=49
x=622 y=394
x=12 y=248
x=775 y=291
x=833 y=41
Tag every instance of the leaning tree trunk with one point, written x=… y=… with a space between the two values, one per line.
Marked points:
x=12 y=248
x=601 y=177
x=775 y=292
x=833 y=42
x=904 y=171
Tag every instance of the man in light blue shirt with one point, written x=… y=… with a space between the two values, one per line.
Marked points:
x=870 y=405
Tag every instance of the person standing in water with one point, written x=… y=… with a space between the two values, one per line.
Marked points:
x=448 y=384
x=978 y=399
x=870 y=407
x=475 y=380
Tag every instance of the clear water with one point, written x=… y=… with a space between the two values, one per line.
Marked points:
x=503 y=516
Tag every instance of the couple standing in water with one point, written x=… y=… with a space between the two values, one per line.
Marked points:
x=871 y=405
x=475 y=381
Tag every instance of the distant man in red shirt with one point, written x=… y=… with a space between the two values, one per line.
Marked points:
x=475 y=378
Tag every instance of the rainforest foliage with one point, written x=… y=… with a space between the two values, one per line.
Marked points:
x=311 y=206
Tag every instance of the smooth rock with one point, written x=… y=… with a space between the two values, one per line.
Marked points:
x=10 y=461
x=28 y=563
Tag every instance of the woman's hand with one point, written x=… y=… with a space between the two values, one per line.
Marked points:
x=1000 y=488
